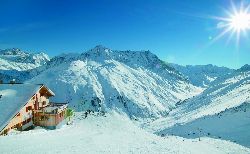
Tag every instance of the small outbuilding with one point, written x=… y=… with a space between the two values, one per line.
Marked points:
x=23 y=106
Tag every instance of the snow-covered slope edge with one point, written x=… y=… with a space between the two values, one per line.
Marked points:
x=232 y=124
x=135 y=83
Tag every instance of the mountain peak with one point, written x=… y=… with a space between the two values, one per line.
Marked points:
x=98 y=51
x=100 y=48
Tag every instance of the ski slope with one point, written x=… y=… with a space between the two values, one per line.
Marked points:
x=110 y=134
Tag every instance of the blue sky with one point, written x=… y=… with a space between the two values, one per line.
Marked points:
x=178 y=31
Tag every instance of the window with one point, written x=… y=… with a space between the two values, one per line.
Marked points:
x=18 y=125
x=28 y=120
x=23 y=123
x=42 y=118
x=18 y=114
x=28 y=108
x=5 y=131
x=44 y=102
x=61 y=114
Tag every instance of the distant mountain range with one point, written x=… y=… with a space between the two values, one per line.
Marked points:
x=202 y=75
x=15 y=59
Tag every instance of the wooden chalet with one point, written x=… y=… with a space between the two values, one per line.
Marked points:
x=23 y=106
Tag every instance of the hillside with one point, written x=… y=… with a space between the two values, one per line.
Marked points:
x=222 y=110
x=232 y=124
x=224 y=93
x=136 y=83
x=202 y=75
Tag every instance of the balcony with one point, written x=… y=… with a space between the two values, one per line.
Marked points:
x=53 y=108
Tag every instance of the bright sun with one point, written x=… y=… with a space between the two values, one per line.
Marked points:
x=236 y=24
x=240 y=21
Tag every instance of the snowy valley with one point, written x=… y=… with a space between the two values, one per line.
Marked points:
x=150 y=106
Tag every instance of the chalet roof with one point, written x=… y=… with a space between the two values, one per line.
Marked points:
x=13 y=97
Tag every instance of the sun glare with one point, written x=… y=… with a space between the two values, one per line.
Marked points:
x=240 y=21
x=236 y=24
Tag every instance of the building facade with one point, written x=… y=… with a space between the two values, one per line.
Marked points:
x=24 y=106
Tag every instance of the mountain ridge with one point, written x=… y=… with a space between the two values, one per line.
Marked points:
x=16 y=59
x=202 y=75
x=137 y=83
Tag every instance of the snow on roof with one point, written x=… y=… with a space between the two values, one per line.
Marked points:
x=12 y=98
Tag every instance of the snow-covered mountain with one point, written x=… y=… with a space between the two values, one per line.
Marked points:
x=15 y=59
x=202 y=75
x=221 y=110
x=226 y=92
x=167 y=99
x=133 y=82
